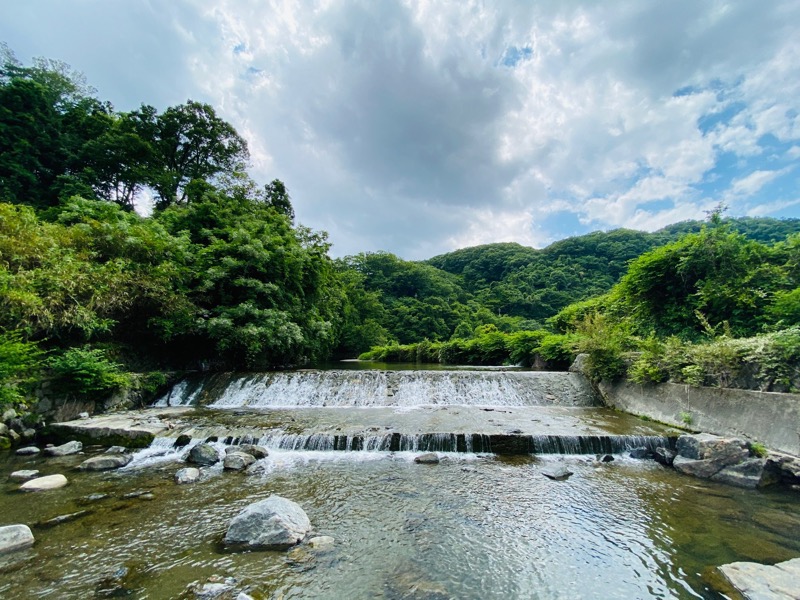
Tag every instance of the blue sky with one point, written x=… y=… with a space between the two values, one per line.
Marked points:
x=421 y=127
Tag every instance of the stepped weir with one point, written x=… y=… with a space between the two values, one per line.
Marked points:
x=498 y=412
x=467 y=411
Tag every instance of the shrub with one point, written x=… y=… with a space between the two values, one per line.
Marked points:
x=19 y=361
x=87 y=373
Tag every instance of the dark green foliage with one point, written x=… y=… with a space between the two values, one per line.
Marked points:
x=19 y=366
x=86 y=373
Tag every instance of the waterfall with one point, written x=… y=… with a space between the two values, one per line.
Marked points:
x=383 y=388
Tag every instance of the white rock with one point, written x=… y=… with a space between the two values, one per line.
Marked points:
x=15 y=537
x=187 y=475
x=275 y=523
x=41 y=484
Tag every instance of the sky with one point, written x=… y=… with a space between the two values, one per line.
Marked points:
x=420 y=127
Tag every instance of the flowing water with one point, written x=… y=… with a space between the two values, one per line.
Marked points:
x=476 y=526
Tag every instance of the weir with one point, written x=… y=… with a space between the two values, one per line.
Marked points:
x=508 y=412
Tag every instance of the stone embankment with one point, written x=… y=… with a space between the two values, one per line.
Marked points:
x=770 y=418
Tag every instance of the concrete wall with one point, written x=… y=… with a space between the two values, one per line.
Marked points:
x=767 y=417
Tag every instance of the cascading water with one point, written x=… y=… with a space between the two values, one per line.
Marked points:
x=498 y=412
x=383 y=388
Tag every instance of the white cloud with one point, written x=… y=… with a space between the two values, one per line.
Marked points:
x=396 y=125
x=752 y=183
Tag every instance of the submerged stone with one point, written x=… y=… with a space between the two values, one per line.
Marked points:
x=321 y=542
x=431 y=458
x=557 y=473
x=187 y=475
x=15 y=537
x=276 y=523
x=62 y=519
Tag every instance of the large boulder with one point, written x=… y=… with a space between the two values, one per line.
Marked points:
x=105 y=462
x=64 y=449
x=203 y=454
x=272 y=524
x=15 y=537
x=751 y=473
x=42 y=484
x=704 y=446
x=764 y=582
x=704 y=455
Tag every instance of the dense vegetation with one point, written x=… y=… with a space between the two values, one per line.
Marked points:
x=220 y=277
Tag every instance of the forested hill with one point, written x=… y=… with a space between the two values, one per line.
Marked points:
x=515 y=280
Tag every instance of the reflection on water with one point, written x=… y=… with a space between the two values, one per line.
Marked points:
x=471 y=527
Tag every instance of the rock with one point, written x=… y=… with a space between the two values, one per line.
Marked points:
x=764 y=582
x=27 y=451
x=24 y=475
x=65 y=449
x=606 y=458
x=752 y=473
x=42 y=484
x=321 y=542
x=136 y=494
x=642 y=453
x=105 y=462
x=257 y=452
x=557 y=473
x=3 y=429
x=243 y=596
x=704 y=446
x=275 y=523
x=704 y=455
x=431 y=458
x=183 y=440
x=665 y=456
x=203 y=454
x=28 y=434
x=116 y=450
x=698 y=468
x=83 y=415
x=238 y=461
x=5 y=442
x=8 y=414
x=187 y=475
x=258 y=468
x=96 y=497
x=62 y=519
x=214 y=587
x=15 y=537
x=579 y=364
x=17 y=425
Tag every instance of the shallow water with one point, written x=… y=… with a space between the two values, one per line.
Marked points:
x=471 y=527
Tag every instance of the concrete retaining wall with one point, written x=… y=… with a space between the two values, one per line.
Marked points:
x=767 y=417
